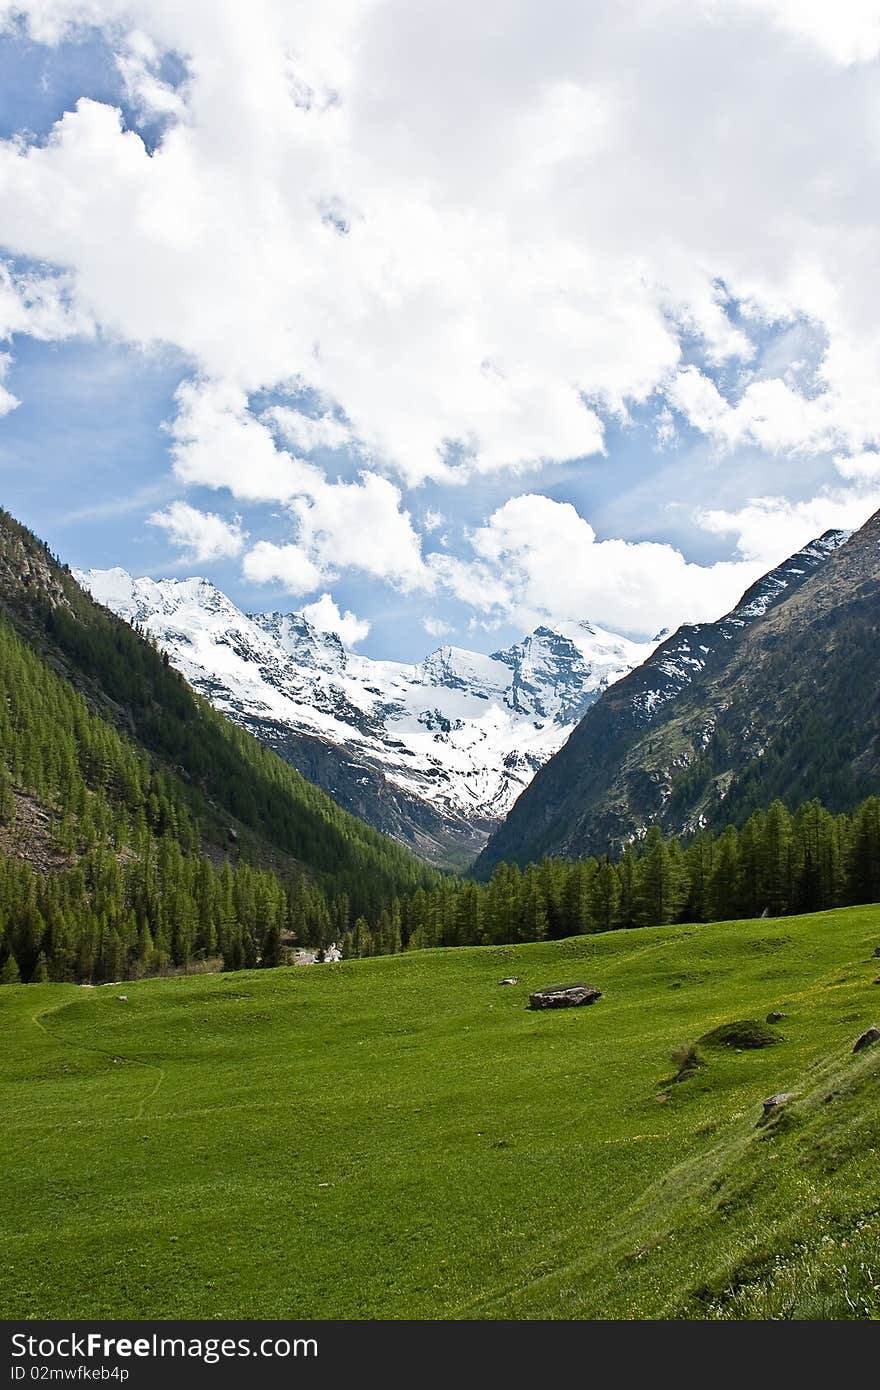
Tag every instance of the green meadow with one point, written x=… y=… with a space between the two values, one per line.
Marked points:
x=402 y=1137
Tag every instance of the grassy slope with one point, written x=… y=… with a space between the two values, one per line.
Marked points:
x=400 y=1137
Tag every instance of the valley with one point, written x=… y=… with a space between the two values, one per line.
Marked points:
x=402 y=1137
x=434 y=753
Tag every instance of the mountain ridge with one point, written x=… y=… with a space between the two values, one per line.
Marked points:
x=661 y=745
x=433 y=752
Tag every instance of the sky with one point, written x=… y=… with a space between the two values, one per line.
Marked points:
x=437 y=322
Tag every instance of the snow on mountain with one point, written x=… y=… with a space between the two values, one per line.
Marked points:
x=461 y=733
x=682 y=656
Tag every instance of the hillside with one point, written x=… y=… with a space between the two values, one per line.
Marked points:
x=777 y=700
x=128 y=805
x=402 y=1137
x=434 y=753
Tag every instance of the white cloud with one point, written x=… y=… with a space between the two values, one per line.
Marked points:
x=358 y=525
x=39 y=305
x=433 y=520
x=436 y=627
x=537 y=560
x=200 y=536
x=308 y=432
x=326 y=617
x=470 y=248
x=768 y=529
x=769 y=414
x=859 y=468
x=7 y=400
x=849 y=30
x=362 y=526
x=138 y=63
x=217 y=443
x=471 y=244
x=287 y=565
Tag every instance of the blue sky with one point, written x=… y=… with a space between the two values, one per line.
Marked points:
x=274 y=312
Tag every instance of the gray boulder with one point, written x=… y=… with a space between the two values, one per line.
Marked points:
x=564 y=996
x=775 y=1016
x=871 y=1035
x=774 y=1102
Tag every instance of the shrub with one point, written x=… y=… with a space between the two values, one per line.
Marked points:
x=687 y=1059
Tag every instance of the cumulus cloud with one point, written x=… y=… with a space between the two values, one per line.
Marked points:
x=767 y=529
x=474 y=244
x=138 y=62
x=770 y=414
x=436 y=627
x=539 y=560
x=471 y=279
x=362 y=526
x=200 y=536
x=217 y=443
x=7 y=400
x=863 y=467
x=306 y=432
x=848 y=31
x=287 y=565
x=324 y=614
x=39 y=305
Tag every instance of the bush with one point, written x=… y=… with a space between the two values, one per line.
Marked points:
x=687 y=1059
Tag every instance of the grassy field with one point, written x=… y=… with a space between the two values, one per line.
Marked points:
x=401 y=1137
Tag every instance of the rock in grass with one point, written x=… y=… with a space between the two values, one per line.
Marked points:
x=775 y=1016
x=509 y=980
x=564 y=996
x=742 y=1033
x=877 y=950
x=871 y=1035
x=774 y=1102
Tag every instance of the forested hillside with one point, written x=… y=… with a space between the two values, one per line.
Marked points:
x=782 y=702
x=138 y=828
x=779 y=863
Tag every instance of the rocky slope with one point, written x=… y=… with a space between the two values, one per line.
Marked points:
x=778 y=698
x=433 y=753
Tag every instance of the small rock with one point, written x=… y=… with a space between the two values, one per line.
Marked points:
x=877 y=950
x=774 y=1102
x=564 y=996
x=871 y=1035
x=123 y=998
x=775 y=1016
x=510 y=980
x=877 y=981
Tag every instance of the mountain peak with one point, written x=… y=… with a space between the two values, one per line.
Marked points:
x=451 y=741
x=722 y=716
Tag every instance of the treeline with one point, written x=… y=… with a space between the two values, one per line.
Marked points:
x=778 y=863
x=135 y=869
x=146 y=909
x=135 y=903
x=123 y=722
x=99 y=782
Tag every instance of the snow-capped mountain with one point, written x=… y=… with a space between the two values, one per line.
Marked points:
x=680 y=738
x=681 y=657
x=435 y=753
